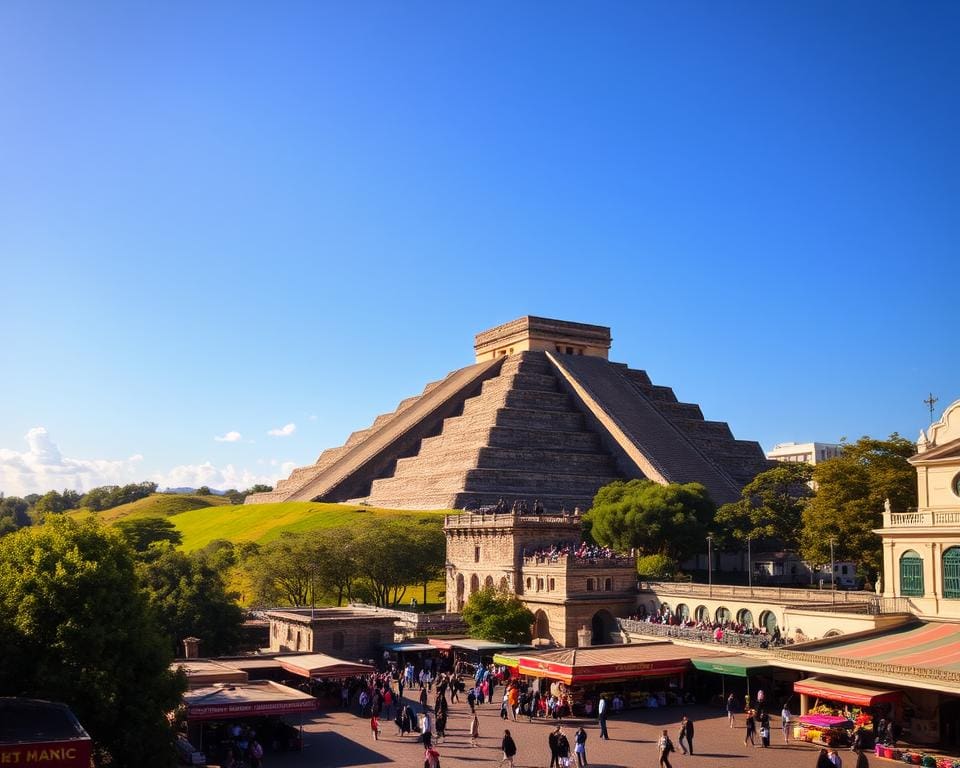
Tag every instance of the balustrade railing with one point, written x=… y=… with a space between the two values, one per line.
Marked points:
x=761 y=594
x=728 y=638
x=921 y=518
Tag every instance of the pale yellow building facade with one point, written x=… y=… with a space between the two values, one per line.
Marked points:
x=921 y=547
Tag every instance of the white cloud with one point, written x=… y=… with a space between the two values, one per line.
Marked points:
x=230 y=437
x=284 y=431
x=206 y=473
x=43 y=468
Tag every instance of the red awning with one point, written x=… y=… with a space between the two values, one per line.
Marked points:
x=260 y=698
x=845 y=693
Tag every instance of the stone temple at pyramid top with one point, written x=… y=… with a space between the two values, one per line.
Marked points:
x=541 y=334
x=542 y=415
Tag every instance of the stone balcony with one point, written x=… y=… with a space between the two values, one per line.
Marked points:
x=471 y=520
x=566 y=562
x=922 y=518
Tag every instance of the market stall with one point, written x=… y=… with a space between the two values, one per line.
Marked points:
x=841 y=713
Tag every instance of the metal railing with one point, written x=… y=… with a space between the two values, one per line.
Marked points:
x=921 y=518
x=728 y=638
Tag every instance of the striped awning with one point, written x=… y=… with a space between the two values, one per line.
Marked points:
x=932 y=645
x=859 y=695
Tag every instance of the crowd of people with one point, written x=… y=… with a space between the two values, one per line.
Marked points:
x=579 y=550
x=715 y=629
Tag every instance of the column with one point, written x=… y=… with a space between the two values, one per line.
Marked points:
x=804 y=703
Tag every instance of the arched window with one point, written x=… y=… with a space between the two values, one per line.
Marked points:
x=504 y=584
x=608 y=585
x=474 y=584
x=529 y=582
x=488 y=582
x=951 y=573
x=701 y=614
x=723 y=614
x=683 y=612
x=769 y=621
x=589 y=585
x=911 y=574
x=553 y=585
x=745 y=617
x=664 y=609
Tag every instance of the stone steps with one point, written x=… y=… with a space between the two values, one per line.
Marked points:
x=486 y=457
x=512 y=482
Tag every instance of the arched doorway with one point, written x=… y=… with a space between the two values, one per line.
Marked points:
x=702 y=613
x=604 y=626
x=488 y=582
x=541 y=626
x=745 y=617
x=504 y=584
x=459 y=591
x=474 y=584
x=722 y=615
x=683 y=612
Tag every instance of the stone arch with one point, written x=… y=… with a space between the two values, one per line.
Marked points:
x=833 y=633
x=541 y=626
x=702 y=613
x=608 y=584
x=664 y=609
x=460 y=588
x=604 y=626
x=590 y=584
x=768 y=620
x=488 y=582
x=722 y=614
x=745 y=617
x=683 y=612
x=504 y=584
x=474 y=584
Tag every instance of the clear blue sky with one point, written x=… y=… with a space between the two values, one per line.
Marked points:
x=231 y=217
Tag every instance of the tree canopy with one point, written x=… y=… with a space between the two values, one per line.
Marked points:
x=848 y=504
x=770 y=509
x=77 y=628
x=669 y=519
x=142 y=532
x=497 y=616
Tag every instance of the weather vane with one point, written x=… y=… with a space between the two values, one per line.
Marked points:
x=931 y=401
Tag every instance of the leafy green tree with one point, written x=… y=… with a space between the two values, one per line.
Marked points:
x=190 y=599
x=498 y=616
x=54 y=503
x=13 y=514
x=77 y=628
x=142 y=532
x=337 y=566
x=848 y=504
x=285 y=571
x=390 y=556
x=669 y=519
x=770 y=509
x=657 y=566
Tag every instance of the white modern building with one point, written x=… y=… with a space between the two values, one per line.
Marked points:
x=810 y=453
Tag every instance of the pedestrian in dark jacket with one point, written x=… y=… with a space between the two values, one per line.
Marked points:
x=509 y=748
x=686 y=735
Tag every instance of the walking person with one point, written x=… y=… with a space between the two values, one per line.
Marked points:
x=665 y=747
x=441 y=725
x=375 y=727
x=509 y=748
x=423 y=699
x=764 y=729
x=751 y=729
x=602 y=717
x=580 y=747
x=427 y=729
x=552 y=744
x=686 y=734
x=731 y=704
x=563 y=749
x=474 y=730
x=785 y=717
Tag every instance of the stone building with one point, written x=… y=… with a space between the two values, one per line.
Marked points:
x=541 y=414
x=921 y=547
x=518 y=552
x=347 y=633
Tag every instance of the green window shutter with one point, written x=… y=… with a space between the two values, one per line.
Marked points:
x=951 y=572
x=911 y=574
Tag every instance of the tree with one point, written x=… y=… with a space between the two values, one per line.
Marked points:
x=76 y=628
x=190 y=599
x=848 y=505
x=337 y=567
x=141 y=532
x=55 y=503
x=770 y=508
x=656 y=519
x=498 y=616
x=657 y=566
x=13 y=514
x=390 y=556
x=285 y=571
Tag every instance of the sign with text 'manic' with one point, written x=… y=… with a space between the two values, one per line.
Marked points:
x=47 y=754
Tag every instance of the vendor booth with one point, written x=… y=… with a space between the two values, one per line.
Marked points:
x=415 y=653
x=325 y=675
x=464 y=654
x=213 y=713
x=842 y=712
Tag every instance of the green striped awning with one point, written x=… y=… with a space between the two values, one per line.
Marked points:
x=738 y=666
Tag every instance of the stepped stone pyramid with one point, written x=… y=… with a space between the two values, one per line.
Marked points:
x=542 y=414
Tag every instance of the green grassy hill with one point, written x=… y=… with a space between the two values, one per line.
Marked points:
x=156 y=505
x=264 y=522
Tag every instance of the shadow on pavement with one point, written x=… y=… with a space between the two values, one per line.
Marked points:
x=348 y=752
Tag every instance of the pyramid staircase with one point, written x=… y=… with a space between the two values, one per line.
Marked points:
x=521 y=437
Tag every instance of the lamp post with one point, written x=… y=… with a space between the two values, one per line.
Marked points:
x=710 y=564
x=833 y=570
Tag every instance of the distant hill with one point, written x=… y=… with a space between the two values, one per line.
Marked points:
x=201 y=519
x=213 y=491
x=155 y=505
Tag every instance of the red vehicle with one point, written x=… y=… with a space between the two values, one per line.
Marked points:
x=42 y=733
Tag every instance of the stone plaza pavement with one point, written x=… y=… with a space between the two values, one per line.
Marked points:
x=341 y=739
